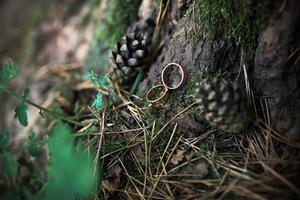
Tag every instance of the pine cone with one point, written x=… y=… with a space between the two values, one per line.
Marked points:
x=224 y=105
x=128 y=59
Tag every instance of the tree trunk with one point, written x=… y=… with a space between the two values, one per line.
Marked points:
x=274 y=69
x=276 y=73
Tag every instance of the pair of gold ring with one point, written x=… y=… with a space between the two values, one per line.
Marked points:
x=159 y=93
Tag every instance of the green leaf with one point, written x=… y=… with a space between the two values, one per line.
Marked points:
x=70 y=173
x=102 y=81
x=98 y=102
x=89 y=75
x=26 y=93
x=32 y=147
x=58 y=110
x=10 y=165
x=8 y=72
x=33 y=150
x=94 y=81
x=1 y=88
x=136 y=83
x=27 y=194
x=21 y=114
x=21 y=110
x=31 y=136
x=4 y=139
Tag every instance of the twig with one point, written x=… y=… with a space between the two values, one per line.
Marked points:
x=42 y=108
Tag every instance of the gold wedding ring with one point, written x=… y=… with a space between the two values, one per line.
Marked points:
x=157 y=94
x=166 y=76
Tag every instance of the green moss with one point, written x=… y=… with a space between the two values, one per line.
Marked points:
x=95 y=3
x=119 y=15
x=235 y=20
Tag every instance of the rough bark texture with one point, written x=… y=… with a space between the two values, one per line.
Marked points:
x=202 y=55
x=276 y=71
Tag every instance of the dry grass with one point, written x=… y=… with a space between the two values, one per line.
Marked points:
x=257 y=164
x=135 y=150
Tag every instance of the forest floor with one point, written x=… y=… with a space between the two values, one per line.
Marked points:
x=146 y=151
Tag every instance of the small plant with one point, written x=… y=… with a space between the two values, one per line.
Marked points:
x=10 y=71
x=66 y=162
x=66 y=157
x=102 y=82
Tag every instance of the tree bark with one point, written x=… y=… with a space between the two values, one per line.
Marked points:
x=276 y=74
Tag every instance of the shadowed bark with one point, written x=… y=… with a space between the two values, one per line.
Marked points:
x=276 y=72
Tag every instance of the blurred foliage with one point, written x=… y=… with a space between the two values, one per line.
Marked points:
x=8 y=72
x=119 y=15
x=21 y=113
x=21 y=110
x=66 y=160
x=95 y=3
x=33 y=148
x=98 y=101
x=95 y=79
x=4 y=138
x=235 y=20
x=66 y=157
x=9 y=164
x=102 y=82
x=64 y=182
